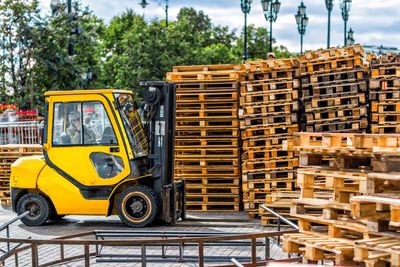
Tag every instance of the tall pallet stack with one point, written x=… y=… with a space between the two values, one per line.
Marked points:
x=385 y=94
x=334 y=89
x=269 y=114
x=350 y=222
x=8 y=155
x=207 y=151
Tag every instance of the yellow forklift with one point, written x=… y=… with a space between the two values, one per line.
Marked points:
x=100 y=159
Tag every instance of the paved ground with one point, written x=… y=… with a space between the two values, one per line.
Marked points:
x=198 y=222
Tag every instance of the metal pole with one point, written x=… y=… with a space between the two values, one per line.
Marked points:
x=267 y=249
x=301 y=43
x=144 y=261
x=345 y=31
x=245 y=38
x=201 y=254
x=71 y=41
x=329 y=29
x=280 y=217
x=270 y=35
x=166 y=14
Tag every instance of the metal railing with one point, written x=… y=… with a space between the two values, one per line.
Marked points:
x=24 y=132
x=87 y=242
x=9 y=250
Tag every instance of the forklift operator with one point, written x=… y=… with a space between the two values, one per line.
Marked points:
x=74 y=130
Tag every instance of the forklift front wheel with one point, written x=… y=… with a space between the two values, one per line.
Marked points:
x=137 y=206
x=37 y=206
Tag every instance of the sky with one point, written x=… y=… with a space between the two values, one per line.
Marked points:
x=374 y=22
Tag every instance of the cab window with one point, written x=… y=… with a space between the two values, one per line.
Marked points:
x=83 y=123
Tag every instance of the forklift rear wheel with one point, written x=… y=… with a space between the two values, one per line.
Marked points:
x=137 y=206
x=37 y=206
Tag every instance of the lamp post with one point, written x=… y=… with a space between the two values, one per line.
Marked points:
x=56 y=6
x=350 y=37
x=144 y=3
x=302 y=21
x=271 y=10
x=246 y=6
x=329 y=6
x=345 y=6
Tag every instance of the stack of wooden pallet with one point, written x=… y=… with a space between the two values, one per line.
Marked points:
x=8 y=155
x=385 y=94
x=334 y=89
x=356 y=174
x=207 y=151
x=269 y=114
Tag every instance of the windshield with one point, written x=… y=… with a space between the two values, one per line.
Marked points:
x=133 y=125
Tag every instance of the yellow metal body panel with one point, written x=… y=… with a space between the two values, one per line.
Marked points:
x=25 y=171
x=66 y=197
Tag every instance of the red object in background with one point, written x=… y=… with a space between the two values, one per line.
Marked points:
x=89 y=109
x=27 y=115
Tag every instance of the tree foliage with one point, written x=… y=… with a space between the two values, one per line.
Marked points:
x=34 y=52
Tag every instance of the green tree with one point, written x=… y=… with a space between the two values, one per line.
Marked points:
x=18 y=32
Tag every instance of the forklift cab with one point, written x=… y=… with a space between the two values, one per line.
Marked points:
x=97 y=160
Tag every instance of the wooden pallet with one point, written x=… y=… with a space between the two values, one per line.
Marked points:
x=264 y=186
x=283 y=74
x=223 y=96
x=270 y=175
x=334 y=77
x=267 y=153
x=231 y=180
x=270 y=86
x=335 y=114
x=276 y=130
x=271 y=65
x=335 y=100
x=380 y=251
x=390 y=95
x=384 y=84
x=284 y=141
x=206 y=142
x=190 y=132
x=382 y=212
x=287 y=95
x=261 y=110
x=186 y=113
x=212 y=207
x=339 y=126
x=333 y=89
x=273 y=119
x=385 y=129
x=318 y=247
x=353 y=143
x=322 y=66
x=342 y=184
x=386 y=71
x=332 y=53
x=261 y=165
x=206 y=152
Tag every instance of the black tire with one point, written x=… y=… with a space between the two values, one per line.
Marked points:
x=37 y=205
x=137 y=206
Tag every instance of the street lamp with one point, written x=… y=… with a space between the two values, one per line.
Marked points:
x=271 y=9
x=329 y=6
x=302 y=21
x=144 y=3
x=345 y=6
x=56 y=6
x=350 y=37
x=246 y=6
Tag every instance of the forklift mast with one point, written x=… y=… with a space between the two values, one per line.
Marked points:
x=159 y=121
